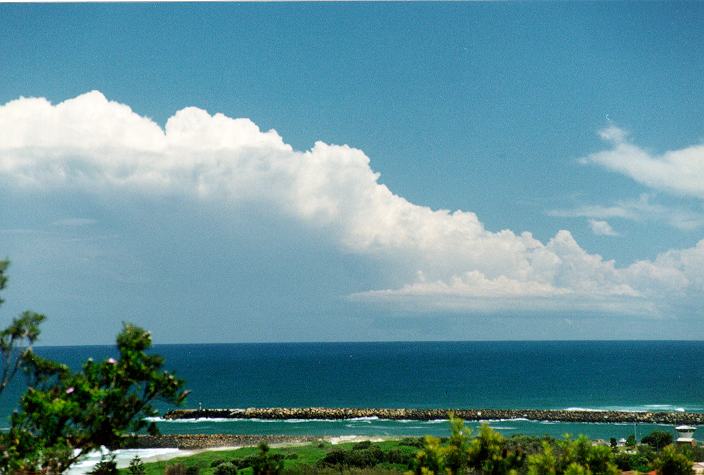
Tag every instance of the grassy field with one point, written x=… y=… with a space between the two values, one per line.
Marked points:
x=297 y=459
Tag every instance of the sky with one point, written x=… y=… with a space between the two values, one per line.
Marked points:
x=354 y=171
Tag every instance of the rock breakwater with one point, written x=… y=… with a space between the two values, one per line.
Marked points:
x=334 y=413
x=205 y=441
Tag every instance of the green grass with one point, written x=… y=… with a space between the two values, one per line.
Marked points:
x=305 y=455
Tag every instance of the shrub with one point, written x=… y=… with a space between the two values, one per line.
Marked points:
x=217 y=462
x=334 y=457
x=365 y=457
x=226 y=468
x=106 y=466
x=657 y=439
x=365 y=444
x=398 y=457
x=672 y=462
x=416 y=442
x=136 y=466
x=244 y=462
x=265 y=463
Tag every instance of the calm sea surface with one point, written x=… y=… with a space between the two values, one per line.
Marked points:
x=629 y=375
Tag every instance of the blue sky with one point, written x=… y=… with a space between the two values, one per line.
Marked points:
x=536 y=118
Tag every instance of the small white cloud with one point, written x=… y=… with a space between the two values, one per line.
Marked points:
x=613 y=134
x=602 y=228
x=678 y=172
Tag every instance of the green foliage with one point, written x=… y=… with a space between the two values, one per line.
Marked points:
x=692 y=452
x=17 y=339
x=450 y=458
x=416 y=442
x=176 y=469
x=631 y=441
x=365 y=444
x=573 y=456
x=490 y=453
x=217 y=462
x=543 y=463
x=367 y=455
x=266 y=463
x=226 y=468
x=641 y=460
x=98 y=405
x=64 y=411
x=136 y=466
x=363 y=457
x=181 y=469
x=672 y=462
x=106 y=466
x=576 y=469
x=657 y=439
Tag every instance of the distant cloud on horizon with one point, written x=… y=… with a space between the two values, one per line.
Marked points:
x=442 y=259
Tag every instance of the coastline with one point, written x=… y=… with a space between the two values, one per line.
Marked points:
x=334 y=413
x=162 y=448
x=212 y=441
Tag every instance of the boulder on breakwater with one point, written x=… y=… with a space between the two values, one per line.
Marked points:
x=336 y=413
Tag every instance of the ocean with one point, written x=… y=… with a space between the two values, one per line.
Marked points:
x=593 y=375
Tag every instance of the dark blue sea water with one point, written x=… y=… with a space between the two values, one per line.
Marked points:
x=632 y=375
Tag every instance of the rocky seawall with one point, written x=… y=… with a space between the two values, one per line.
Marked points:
x=206 y=441
x=334 y=413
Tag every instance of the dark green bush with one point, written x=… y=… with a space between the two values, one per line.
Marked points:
x=334 y=457
x=416 y=442
x=365 y=457
x=359 y=457
x=265 y=463
x=365 y=444
x=672 y=462
x=217 y=462
x=226 y=468
x=136 y=466
x=399 y=457
x=106 y=466
x=657 y=439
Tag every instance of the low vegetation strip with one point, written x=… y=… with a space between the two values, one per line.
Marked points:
x=334 y=413
x=483 y=453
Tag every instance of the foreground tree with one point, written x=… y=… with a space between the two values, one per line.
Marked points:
x=672 y=462
x=486 y=454
x=490 y=453
x=657 y=439
x=17 y=339
x=64 y=414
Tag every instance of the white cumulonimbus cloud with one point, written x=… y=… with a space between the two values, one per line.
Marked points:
x=443 y=259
